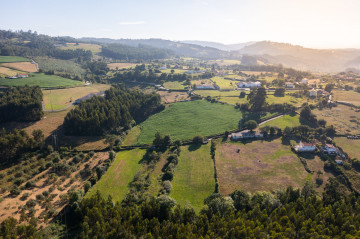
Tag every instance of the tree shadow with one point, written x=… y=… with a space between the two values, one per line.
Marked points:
x=194 y=147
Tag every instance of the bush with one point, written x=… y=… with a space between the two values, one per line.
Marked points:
x=87 y=186
x=198 y=139
x=167 y=186
x=40 y=197
x=19 y=181
x=15 y=192
x=31 y=203
x=168 y=176
x=30 y=184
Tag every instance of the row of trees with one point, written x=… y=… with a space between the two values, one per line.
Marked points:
x=131 y=53
x=21 y=104
x=117 y=111
x=149 y=76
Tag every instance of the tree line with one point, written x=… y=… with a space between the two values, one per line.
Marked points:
x=134 y=53
x=117 y=111
x=21 y=104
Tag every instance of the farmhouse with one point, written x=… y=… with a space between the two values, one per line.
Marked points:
x=249 y=84
x=305 y=147
x=313 y=93
x=22 y=75
x=329 y=149
x=205 y=87
x=304 y=81
x=289 y=85
x=247 y=135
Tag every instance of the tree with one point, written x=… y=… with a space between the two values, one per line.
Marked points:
x=322 y=122
x=198 y=139
x=242 y=94
x=329 y=87
x=251 y=125
x=279 y=91
x=257 y=99
x=330 y=131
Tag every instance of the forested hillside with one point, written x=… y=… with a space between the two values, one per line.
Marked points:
x=21 y=104
x=118 y=109
x=130 y=53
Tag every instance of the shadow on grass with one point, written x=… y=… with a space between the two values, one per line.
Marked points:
x=193 y=147
x=246 y=116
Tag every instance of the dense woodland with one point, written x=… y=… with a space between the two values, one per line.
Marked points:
x=21 y=104
x=30 y=44
x=117 y=110
x=131 y=53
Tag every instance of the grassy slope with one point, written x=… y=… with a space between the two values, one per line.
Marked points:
x=348 y=96
x=60 y=98
x=184 y=120
x=174 y=85
x=132 y=136
x=94 y=48
x=4 y=59
x=194 y=177
x=350 y=146
x=282 y=122
x=119 y=175
x=42 y=80
x=224 y=84
x=64 y=66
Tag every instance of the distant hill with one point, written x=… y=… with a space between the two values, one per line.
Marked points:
x=183 y=49
x=303 y=58
x=220 y=46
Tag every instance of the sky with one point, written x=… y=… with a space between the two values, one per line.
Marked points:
x=310 y=23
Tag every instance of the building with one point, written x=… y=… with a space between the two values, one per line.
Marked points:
x=163 y=68
x=304 y=81
x=247 y=135
x=289 y=85
x=305 y=147
x=329 y=149
x=313 y=93
x=249 y=84
x=22 y=75
x=205 y=87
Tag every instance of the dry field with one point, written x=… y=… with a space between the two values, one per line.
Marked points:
x=350 y=146
x=22 y=66
x=344 y=118
x=171 y=97
x=315 y=164
x=113 y=66
x=259 y=166
x=348 y=96
x=8 y=72
x=45 y=180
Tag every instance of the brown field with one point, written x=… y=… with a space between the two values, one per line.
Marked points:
x=260 y=166
x=171 y=97
x=22 y=66
x=8 y=72
x=348 y=96
x=315 y=164
x=9 y=206
x=113 y=66
x=350 y=146
x=344 y=118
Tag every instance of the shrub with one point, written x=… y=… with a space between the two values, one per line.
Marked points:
x=198 y=139
x=167 y=186
x=15 y=192
x=31 y=203
x=30 y=184
x=19 y=181
x=87 y=186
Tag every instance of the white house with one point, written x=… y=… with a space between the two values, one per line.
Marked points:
x=305 y=147
x=205 y=87
x=163 y=68
x=329 y=149
x=313 y=93
x=289 y=85
x=247 y=135
x=304 y=81
x=249 y=84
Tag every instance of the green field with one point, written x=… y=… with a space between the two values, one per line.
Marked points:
x=60 y=98
x=284 y=121
x=174 y=85
x=63 y=66
x=224 y=84
x=6 y=59
x=350 y=146
x=216 y=93
x=184 y=120
x=42 y=80
x=194 y=177
x=94 y=48
x=119 y=175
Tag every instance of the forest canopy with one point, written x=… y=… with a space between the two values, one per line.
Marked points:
x=117 y=110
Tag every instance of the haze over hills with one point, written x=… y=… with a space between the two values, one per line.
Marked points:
x=321 y=60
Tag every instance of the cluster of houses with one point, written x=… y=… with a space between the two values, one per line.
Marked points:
x=311 y=148
x=19 y=76
x=249 y=84
x=314 y=93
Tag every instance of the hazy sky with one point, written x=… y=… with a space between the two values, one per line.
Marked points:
x=311 y=23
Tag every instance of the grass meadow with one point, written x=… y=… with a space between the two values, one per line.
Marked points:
x=348 y=96
x=194 y=176
x=42 y=80
x=184 y=120
x=284 y=121
x=119 y=175
x=60 y=98
x=21 y=66
x=57 y=65
x=5 y=59
x=174 y=85
x=94 y=48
